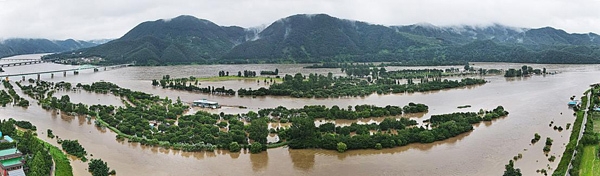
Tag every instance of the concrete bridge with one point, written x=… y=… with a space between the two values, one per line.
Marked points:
x=64 y=71
x=30 y=62
x=24 y=62
x=19 y=59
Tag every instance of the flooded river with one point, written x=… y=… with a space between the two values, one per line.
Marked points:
x=532 y=102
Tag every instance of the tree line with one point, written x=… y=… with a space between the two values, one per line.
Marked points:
x=321 y=86
x=187 y=85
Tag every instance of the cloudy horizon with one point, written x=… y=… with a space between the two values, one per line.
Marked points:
x=110 y=19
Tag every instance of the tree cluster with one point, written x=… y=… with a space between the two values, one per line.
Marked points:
x=321 y=86
x=73 y=147
x=99 y=168
x=187 y=85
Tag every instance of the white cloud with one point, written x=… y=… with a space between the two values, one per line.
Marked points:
x=95 y=19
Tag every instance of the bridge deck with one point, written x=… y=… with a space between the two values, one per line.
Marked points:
x=63 y=70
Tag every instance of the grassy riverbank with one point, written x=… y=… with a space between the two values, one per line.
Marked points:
x=563 y=165
x=62 y=163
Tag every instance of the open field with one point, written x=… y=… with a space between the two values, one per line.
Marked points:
x=590 y=164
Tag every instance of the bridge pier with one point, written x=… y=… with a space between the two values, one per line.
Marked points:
x=38 y=78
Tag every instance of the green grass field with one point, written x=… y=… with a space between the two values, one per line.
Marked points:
x=596 y=120
x=590 y=164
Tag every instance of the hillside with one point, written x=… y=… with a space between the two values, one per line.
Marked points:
x=19 y=46
x=184 y=39
x=322 y=38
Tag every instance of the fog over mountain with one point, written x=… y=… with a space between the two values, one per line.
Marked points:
x=95 y=19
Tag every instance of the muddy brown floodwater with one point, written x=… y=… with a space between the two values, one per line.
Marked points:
x=532 y=102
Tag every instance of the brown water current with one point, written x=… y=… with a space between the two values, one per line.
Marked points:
x=532 y=102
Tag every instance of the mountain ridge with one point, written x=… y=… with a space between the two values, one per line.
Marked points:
x=309 y=38
x=18 y=46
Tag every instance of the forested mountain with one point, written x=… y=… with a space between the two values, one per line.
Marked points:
x=18 y=46
x=322 y=38
x=183 y=39
x=314 y=37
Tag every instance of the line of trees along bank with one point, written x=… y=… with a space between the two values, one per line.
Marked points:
x=190 y=84
x=321 y=86
x=11 y=96
x=524 y=71
x=304 y=134
x=335 y=112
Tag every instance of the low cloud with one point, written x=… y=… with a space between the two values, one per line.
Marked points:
x=97 y=19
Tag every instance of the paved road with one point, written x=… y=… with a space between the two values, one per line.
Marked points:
x=583 y=123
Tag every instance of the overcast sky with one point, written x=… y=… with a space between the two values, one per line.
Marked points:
x=101 y=19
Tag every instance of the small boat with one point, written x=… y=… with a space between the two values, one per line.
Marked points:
x=572 y=103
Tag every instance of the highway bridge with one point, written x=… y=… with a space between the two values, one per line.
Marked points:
x=64 y=71
x=23 y=62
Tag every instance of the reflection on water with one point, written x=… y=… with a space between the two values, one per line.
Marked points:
x=259 y=161
x=532 y=102
x=303 y=160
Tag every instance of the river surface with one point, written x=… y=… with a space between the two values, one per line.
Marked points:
x=533 y=102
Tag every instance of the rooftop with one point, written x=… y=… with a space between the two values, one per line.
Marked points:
x=13 y=161
x=8 y=138
x=8 y=151
x=205 y=101
x=18 y=172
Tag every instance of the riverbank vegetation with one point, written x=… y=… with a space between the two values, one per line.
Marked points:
x=587 y=160
x=304 y=134
x=335 y=112
x=190 y=84
x=589 y=138
x=39 y=155
x=385 y=64
x=99 y=168
x=321 y=86
x=163 y=123
x=510 y=170
x=11 y=96
x=524 y=71
x=73 y=147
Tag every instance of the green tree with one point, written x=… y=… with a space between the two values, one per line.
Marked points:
x=98 y=168
x=341 y=147
x=378 y=146
x=258 y=131
x=510 y=170
x=256 y=147
x=234 y=147
x=303 y=132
